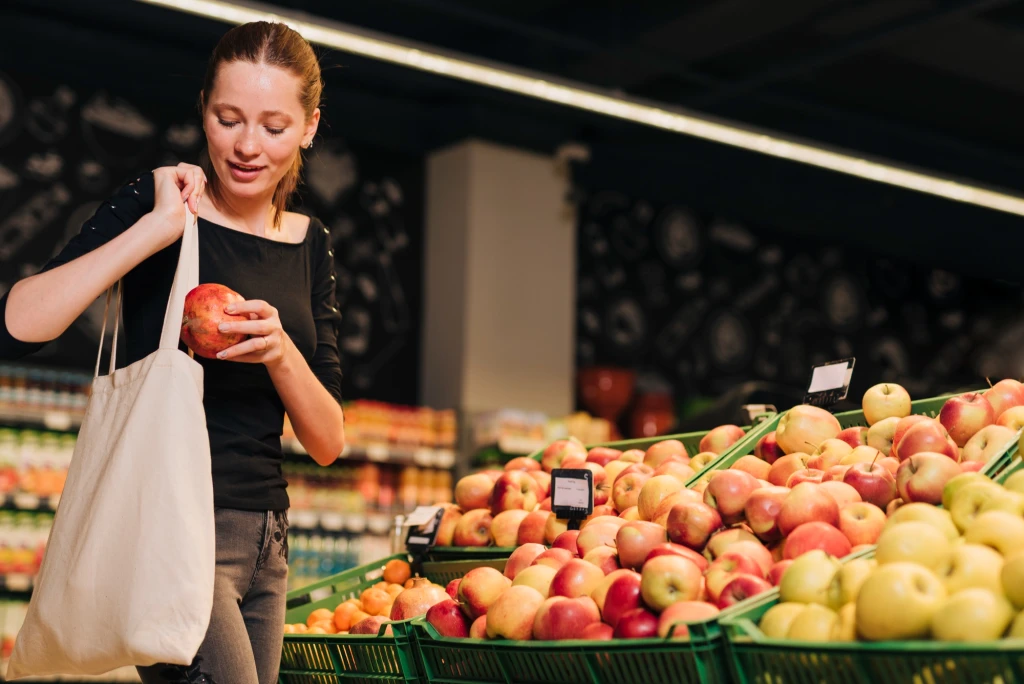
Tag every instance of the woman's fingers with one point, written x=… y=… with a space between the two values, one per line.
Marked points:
x=257 y=327
x=252 y=306
x=249 y=346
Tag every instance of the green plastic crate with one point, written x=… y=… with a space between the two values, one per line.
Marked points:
x=743 y=447
x=457 y=553
x=348 y=658
x=756 y=659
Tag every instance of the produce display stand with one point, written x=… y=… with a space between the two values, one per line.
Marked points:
x=460 y=553
x=354 y=658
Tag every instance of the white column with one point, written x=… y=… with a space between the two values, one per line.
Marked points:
x=499 y=284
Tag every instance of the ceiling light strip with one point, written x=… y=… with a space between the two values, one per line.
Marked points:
x=423 y=58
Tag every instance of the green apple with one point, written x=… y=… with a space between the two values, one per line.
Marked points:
x=1012 y=578
x=972 y=615
x=898 y=601
x=958 y=483
x=776 y=622
x=971 y=566
x=846 y=627
x=852 y=576
x=938 y=518
x=814 y=623
x=1017 y=628
x=913 y=542
x=812 y=578
x=1003 y=531
x=1015 y=483
x=966 y=504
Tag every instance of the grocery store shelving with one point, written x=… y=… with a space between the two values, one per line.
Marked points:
x=22 y=501
x=57 y=420
x=426 y=457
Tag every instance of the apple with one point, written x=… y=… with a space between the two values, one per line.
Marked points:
x=537 y=576
x=1017 y=627
x=692 y=523
x=638 y=623
x=664 y=451
x=626 y=490
x=371 y=626
x=806 y=503
x=728 y=491
x=667 y=579
x=816 y=535
x=928 y=435
x=921 y=512
x=742 y=587
x=473 y=491
x=702 y=460
x=724 y=569
x=531 y=529
x=873 y=482
x=505 y=527
x=840 y=492
x=1003 y=395
x=630 y=514
x=1015 y=482
x=474 y=528
x=453 y=588
x=481 y=587
x=669 y=502
x=514 y=490
x=597 y=631
x=971 y=466
x=635 y=540
x=814 y=623
x=602 y=456
x=913 y=588
x=862 y=454
x=767 y=448
x=885 y=401
x=720 y=541
x=777 y=570
x=805 y=426
x=559 y=450
x=881 y=433
x=989 y=442
x=762 y=511
x=1011 y=502
x=852 y=576
x=670 y=549
x=522 y=558
x=543 y=481
x=813 y=578
x=837 y=473
x=861 y=522
x=786 y=466
x=828 y=454
x=513 y=614
x=676 y=469
x=777 y=621
x=604 y=511
x=493 y=474
x=958 y=483
x=654 y=491
x=968 y=503
x=963 y=416
x=447 y=618
x=446 y=528
x=805 y=475
x=675 y=619
x=554 y=558
x=544 y=505
x=972 y=615
x=478 y=630
x=901 y=429
x=891 y=464
x=605 y=558
x=523 y=463
x=633 y=456
x=756 y=551
x=564 y=618
x=622 y=595
x=971 y=566
x=721 y=438
x=596 y=536
x=923 y=476
x=854 y=436
x=614 y=469
x=1003 y=531
x=554 y=527
x=600 y=594
x=1012 y=578
x=913 y=542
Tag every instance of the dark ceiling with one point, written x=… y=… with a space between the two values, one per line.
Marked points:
x=931 y=83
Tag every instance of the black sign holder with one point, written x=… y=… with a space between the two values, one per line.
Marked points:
x=830 y=383
x=572 y=494
x=421 y=539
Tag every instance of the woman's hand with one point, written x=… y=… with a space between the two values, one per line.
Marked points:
x=176 y=186
x=267 y=341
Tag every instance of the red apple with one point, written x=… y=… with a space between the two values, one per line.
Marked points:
x=901 y=429
x=873 y=482
x=667 y=579
x=447 y=618
x=927 y=435
x=601 y=593
x=692 y=523
x=670 y=549
x=522 y=558
x=721 y=572
x=453 y=588
x=522 y=463
x=1012 y=418
x=559 y=450
x=627 y=487
x=676 y=469
x=971 y=466
x=638 y=623
x=762 y=511
x=837 y=473
x=963 y=416
x=554 y=558
x=675 y=619
x=576 y=578
x=493 y=474
x=564 y=618
x=721 y=541
x=806 y=503
x=805 y=427
x=752 y=465
x=854 y=436
x=776 y=571
x=545 y=505
x=861 y=522
x=756 y=551
x=605 y=558
x=473 y=529
x=513 y=614
x=805 y=475
x=478 y=630
x=829 y=453
x=816 y=535
x=567 y=540
x=654 y=491
x=840 y=492
x=514 y=490
x=505 y=527
x=741 y=587
x=721 y=438
x=543 y=481
x=923 y=476
x=665 y=450
x=669 y=502
x=474 y=491
x=598 y=534
x=768 y=449
x=635 y=540
x=622 y=596
x=728 y=491
x=479 y=589
x=597 y=631
x=1003 y=395
x=446 y=528
x=786 y=466
x=531 y=529
x=602 y=456
x=891 y=464
x=632 y=456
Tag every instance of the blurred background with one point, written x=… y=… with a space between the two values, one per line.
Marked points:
x=512 y=270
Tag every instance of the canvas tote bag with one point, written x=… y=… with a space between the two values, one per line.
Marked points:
x=127 y=578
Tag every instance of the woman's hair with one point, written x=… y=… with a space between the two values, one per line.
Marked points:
x=273 y=44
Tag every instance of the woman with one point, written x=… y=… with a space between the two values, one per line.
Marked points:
x=260 y=106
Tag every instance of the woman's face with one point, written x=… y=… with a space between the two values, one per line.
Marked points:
x=255 y=125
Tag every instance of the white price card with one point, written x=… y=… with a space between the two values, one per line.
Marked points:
x=571 y=493
x=421 y=515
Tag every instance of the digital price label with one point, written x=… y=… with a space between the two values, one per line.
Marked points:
x=572 y=493
x=830 y=383
x=423 y=524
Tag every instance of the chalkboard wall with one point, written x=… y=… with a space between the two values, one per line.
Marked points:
x=64 y=147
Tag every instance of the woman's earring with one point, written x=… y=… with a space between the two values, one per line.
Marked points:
x=307 y=145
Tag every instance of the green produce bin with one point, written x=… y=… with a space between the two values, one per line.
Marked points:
x=348 y=659
x=457 y=553
x=743 y=447
x=756 y=659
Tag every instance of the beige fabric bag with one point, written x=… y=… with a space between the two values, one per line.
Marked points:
x=128 y=574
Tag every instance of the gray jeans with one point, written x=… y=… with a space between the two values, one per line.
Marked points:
x=246 y=632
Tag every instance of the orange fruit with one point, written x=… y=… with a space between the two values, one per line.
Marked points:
x=358 y=617
x=316 y=630
x=380 y=585
x=300 y=629
x=386 y=610
x=327 y=626
x=395 y=589
x=319 y=615
x=343 y=616
x=289 y=629
x=374 y=600
x=397 y=571
x=408 y=583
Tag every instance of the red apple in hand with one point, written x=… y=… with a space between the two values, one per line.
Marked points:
x=965 y=415
x=806 y=503
x=923 y=476
x=692 y=523
x=816 y=535
x=728 y=491
x=768 y=449
x=762 y=511
x=861 y=522
x=638 y=623
x=854 y=436
x=721 y=438
x=873 y=482
x=742 y=587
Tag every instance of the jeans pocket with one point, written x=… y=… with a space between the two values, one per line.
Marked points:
x=281 y=533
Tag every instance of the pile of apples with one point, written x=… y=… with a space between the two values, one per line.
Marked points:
x=953 y=574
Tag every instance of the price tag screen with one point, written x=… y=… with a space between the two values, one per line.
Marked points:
x=830 y=383
x=572 y=492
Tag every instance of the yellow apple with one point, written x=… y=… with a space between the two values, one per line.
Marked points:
x=1012 y=578
x=852 y=576
x=898 y=601
x=885 y=400
x=1011 y=502
x=1003 y=531
x=913 y=542
x=970 y=566
x=813 y=623
x=846 y=626
x=972 y=615
x=812 y=578
x=776 y=622
x=1015 y=483
x=966 y=504
x=957 y=483
x=1017 y=628
x=921 y=512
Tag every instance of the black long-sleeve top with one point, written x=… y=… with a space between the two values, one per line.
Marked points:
x=244 y=413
